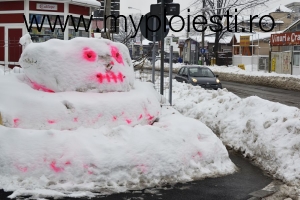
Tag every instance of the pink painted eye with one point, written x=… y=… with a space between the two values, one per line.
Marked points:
x=116 y=54
x=89 y=55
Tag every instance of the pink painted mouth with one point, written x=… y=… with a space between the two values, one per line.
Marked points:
x=110 y=77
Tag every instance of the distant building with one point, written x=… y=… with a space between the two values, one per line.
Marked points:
x=295 y=6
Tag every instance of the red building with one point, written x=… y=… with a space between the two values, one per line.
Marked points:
x=13 y=26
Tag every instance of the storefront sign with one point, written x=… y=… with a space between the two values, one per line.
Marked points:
x=43 y=6
x=244 y=41
x=285 y=39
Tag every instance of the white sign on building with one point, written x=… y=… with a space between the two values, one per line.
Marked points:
x=44 y=6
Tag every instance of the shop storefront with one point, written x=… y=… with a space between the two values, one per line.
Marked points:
x=13 y=26
x=287 y=59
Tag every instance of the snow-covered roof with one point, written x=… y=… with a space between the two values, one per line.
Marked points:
x=280 y=8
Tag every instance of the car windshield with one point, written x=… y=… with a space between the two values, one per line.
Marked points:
x=200 y=72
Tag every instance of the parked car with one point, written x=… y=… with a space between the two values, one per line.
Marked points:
x=198 y=75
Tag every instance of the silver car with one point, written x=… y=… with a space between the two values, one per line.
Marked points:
x=198 y=75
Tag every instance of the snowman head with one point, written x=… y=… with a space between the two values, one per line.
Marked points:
x=80 y=64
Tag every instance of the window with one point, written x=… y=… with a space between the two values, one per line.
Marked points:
x=185 y=71
x=296 y=58
x=296 y=48
x=298 y=27
x=79 y=33
x=200 y=72
x=45 y=34
x=181 y=71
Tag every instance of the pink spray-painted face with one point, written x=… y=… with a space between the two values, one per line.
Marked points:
x=110 y=77
x=37 y=86
x=116 y=54
x=89 y=55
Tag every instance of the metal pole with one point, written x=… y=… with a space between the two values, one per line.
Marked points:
x=252 y=53
x=170 y=74
x=153 y=52
x=203 y=33
x=162 y=48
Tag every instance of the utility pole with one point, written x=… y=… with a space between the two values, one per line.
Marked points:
x=203 y=33
x=162 y=55
x=107 y=8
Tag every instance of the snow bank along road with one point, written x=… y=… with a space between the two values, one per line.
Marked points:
x=235 y=74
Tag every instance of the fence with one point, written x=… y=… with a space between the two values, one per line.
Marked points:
x=10 y=52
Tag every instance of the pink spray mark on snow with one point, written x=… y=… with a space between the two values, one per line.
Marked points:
x=75 y=119
x=109 y=77
x=16 y=122
x=55 y=168
x=87 y=167
x=199 y=154
x=116 y=54
x=37 y=86
x=128 y=121
x=114 y=118
x=140 y=117
x=143 y=168
x=22 y=169
x=51 y=121
x=89 y=55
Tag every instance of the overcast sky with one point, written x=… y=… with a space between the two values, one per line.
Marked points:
x=144 y=6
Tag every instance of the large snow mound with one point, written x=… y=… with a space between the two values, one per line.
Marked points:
x=84 y=161
x=80 y=64
x=266 y=131
x=23 y=107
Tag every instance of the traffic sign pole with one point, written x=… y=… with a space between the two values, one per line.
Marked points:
x=162 y=54
x=153 y=53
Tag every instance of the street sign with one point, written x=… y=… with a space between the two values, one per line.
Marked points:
x=170 y=9
x=202 y=51
x=148 y=30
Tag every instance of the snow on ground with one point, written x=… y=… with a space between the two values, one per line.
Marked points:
x=84 y=161
x=266 y=131
x=58 y=142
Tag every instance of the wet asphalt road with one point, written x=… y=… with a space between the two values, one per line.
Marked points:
x=287 y=97
x=237 y=186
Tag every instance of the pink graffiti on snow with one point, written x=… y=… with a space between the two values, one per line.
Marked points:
x=22 y=169
x=87 y=167
x=51 y=121
x=128 y=121
x=143 y=168
x=68 y=163
x=89 y=55
x=109 y=77
x=55 y=168
x=199 y=154
x=75 y=119
x=140 y=117
x=16 y=122
x=37 y=86
x=114 y=118
x=116 y=54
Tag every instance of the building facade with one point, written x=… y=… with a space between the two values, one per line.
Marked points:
x=16 y=17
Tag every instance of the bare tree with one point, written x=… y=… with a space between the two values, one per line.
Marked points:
x=217 y=13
